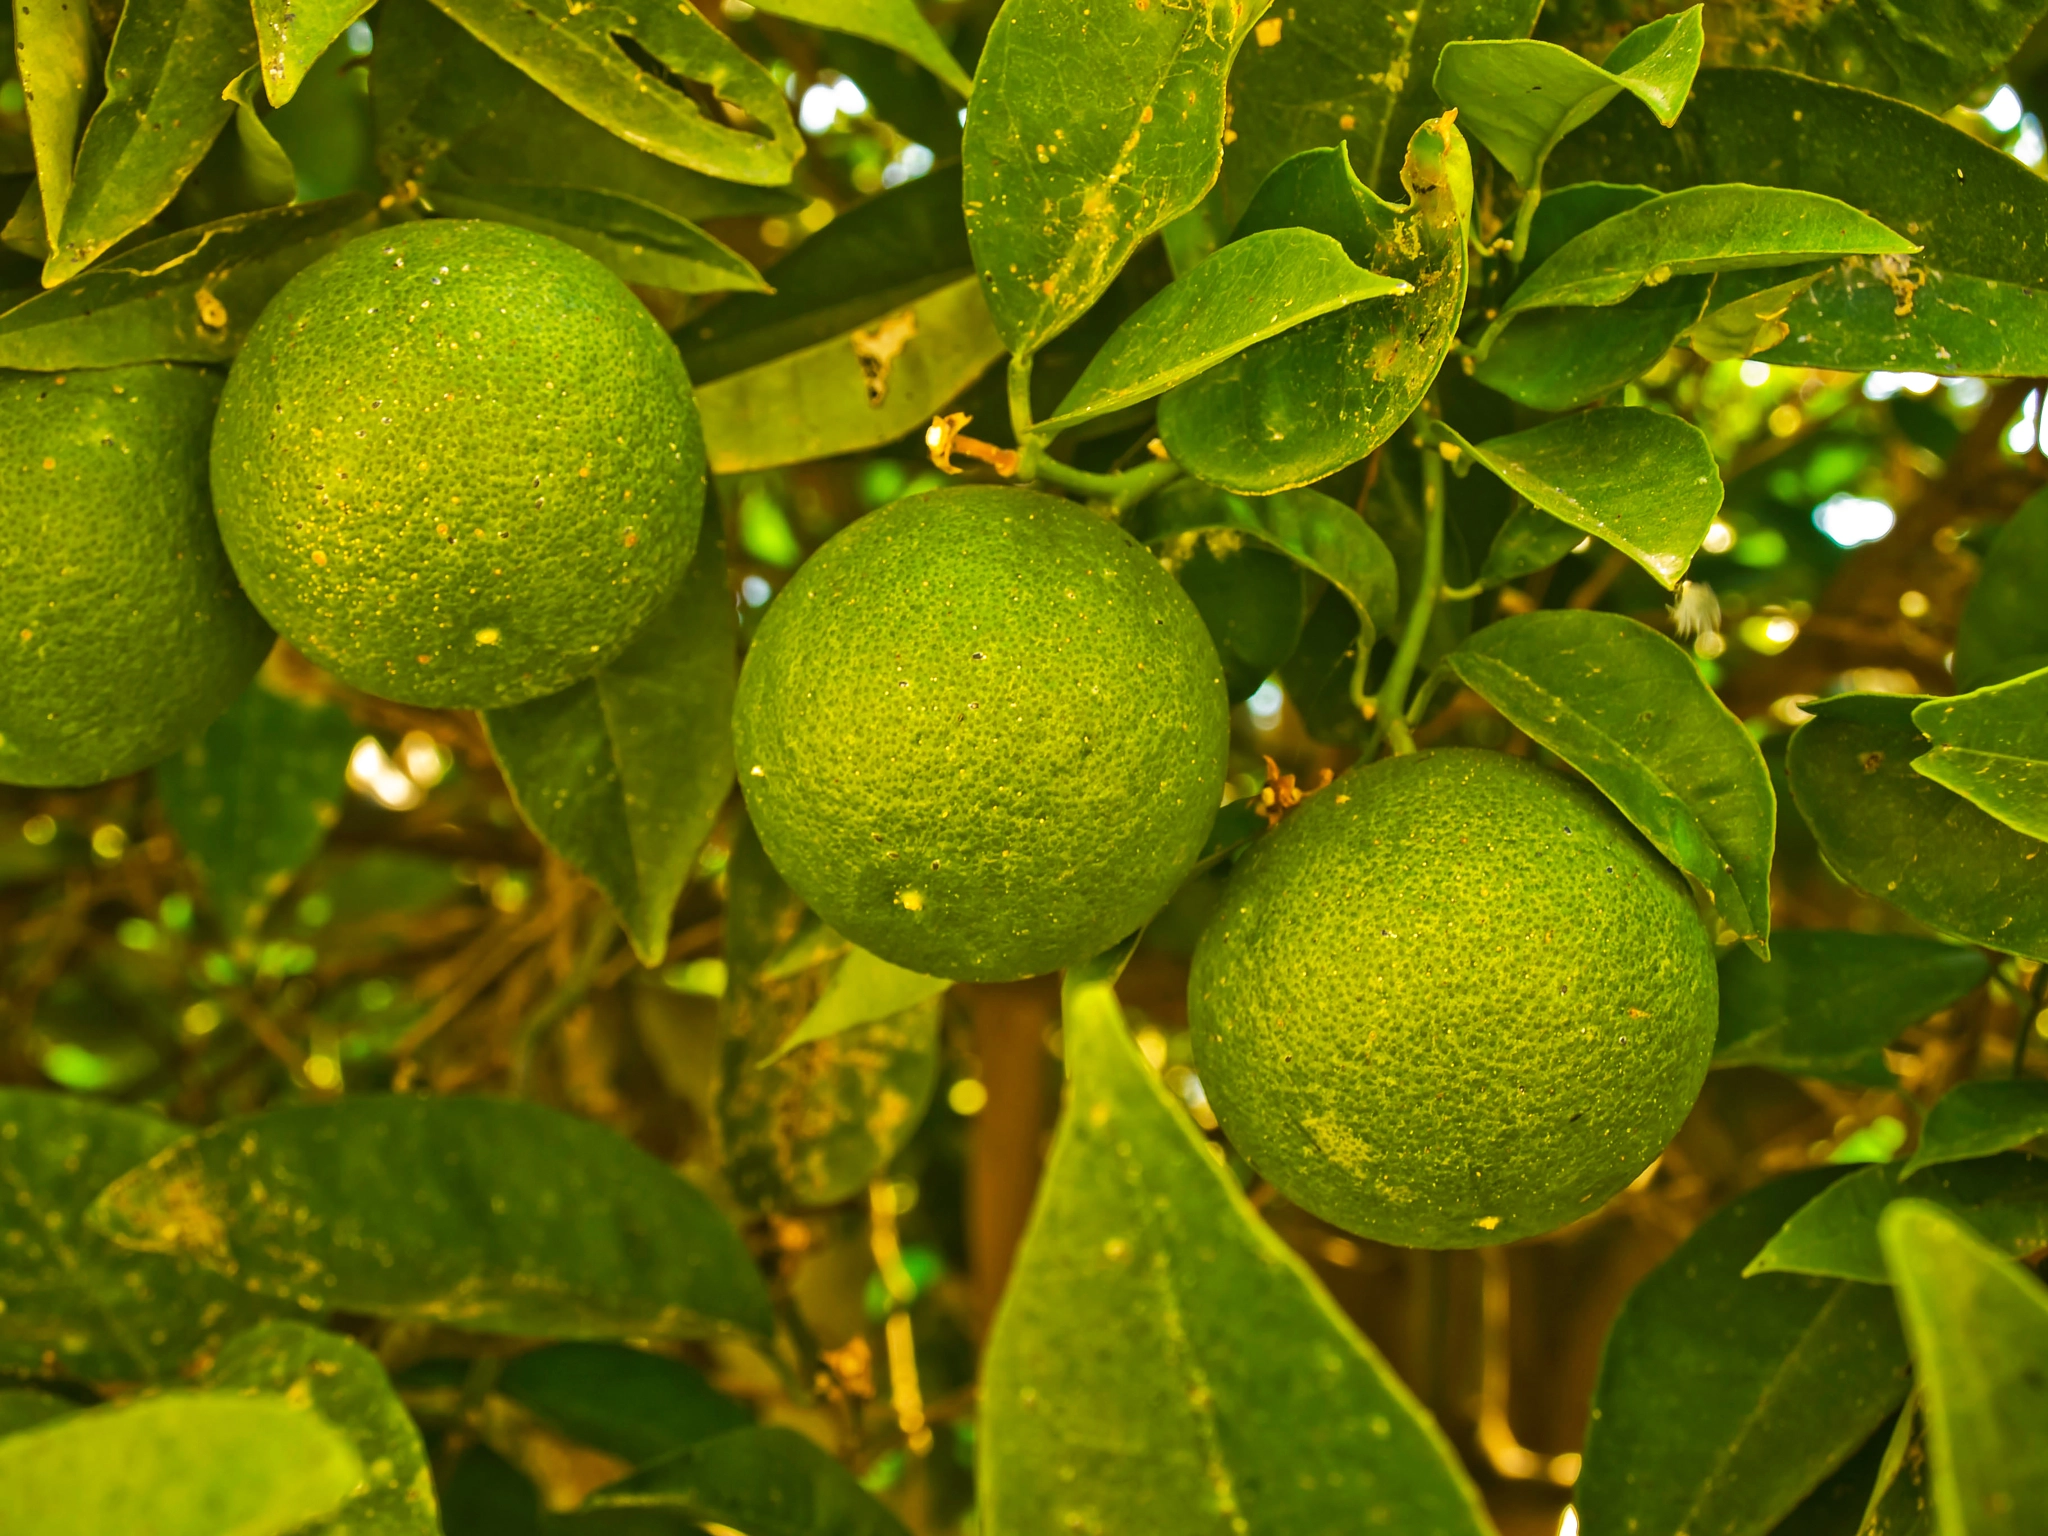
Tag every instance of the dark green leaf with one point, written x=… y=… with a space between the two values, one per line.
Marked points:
x=1163 y=1362
x=767 y=1482
x=863 y=988
x=1520 y=98
x=2004 y=1200
x=895 y=23
x=292 y=35
x=184 y=1464
x=1062 y=185
x=624 y=773
x=485 y=1495
x=1725 y=228
x=70 y=1301
x=1349 y=71
x=189 y=297
x=1629 y=710
x=1301 y=406
x=2004 y=628
x=1899 y=315
x=1836 y=1507
x=575 y=50
x=813 y=1128
x=346 y=1385
x=55 y=50
x=1980 y=1118
x=472 y=1213
x=1528 y=541
x=253 y=798
x=1703 y=1418
x=860 y=389
x=626 y=1402
x=1252 y=602
x=1929 y=52
x=1828 y=1002
x=24 y=1408
x=267 y=168
x=1991 y=747
x=1643 y=481
x=880 y=255
x=1979 y=1330
x=642 y=243
x=169 y=64
x=1251 y=289
x=1904 y=838
x=1897 y=1504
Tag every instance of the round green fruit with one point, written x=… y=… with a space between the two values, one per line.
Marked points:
x=1451 y=1001
x=458 y=464
x=982 y=733
x=122 y=632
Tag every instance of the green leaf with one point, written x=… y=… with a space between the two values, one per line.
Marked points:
x=1703 y=1417
x=252 y=799
x=189 y=297
x=1349 y=71
x=1929 y=53
x=1835 y=1508
x=1162 y=1361
x=1980 y=1118
x=1301 y=406
x=292 y=35
x=472 y=1213
x=70 y=1301
x=55 y=50
x=1643 y=481
x=626 y=1402
x=266 y=167
x=814 y=1128
x=2004 y=629
x=642 y=243
x=1745 y=311
x=24 y=1408
x=2003 y=1199
x=1629 y=710
x=1897 y=1504
x=1900 y=316
x=1904 y=838
x=1252 y=289
x=894 y=23
x=1701 y=229
x=1991 y=747
x=485 y=1495
x=167 y=69
x=1979 y=1330
x=1250 y=598
x=576 y=51
x=1528 y=541
x=863 y=988
x=624 y=774
x=1062 y=185
x=1829 y=1001
x=345 y=1384
x=184 y=1464
x=768 y=1481
x=861 y=389
x=1520 y=98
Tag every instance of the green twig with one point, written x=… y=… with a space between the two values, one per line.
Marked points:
x=1020 y=398
x=1391 y=706
x=1523 y=217
x=566 y=998
x=1121 y=489
x=2030 y=1010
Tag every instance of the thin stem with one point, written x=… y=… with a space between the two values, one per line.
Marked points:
x=1020 y=396
x=1390 y=707
x=1523 y=218
x=1122 y=489
x=2030 y=1010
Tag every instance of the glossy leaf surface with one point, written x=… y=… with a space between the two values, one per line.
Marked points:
x=1702 y=1418
x=472 y=1213
x=769 y=1481
x=1157 y=1338
x=624 y=773
x=1628 y=709
x=1251 y=289
x=291 y=35
x=1991 y=747
x=55 y=50
x=1897 y=315
x=1980 y=1118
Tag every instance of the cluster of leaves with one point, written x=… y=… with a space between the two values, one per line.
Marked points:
x=1307 y=269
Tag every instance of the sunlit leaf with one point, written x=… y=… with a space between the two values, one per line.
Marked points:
x=55 y=50
x=1900 y=316
x=292 y=35
x=1991 y=747
x=1981 y=1118
x=768 y=1482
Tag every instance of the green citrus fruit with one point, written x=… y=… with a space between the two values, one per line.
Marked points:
x=982 y=733
x=1453 y=1000
x=122 y=632
x=458 y=464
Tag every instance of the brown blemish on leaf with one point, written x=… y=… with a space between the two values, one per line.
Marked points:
x=877 y=348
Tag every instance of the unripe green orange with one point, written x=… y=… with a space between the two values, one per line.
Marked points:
x=1452 y=1000
x=458 y=464
x=122 y=632
x=982 y=733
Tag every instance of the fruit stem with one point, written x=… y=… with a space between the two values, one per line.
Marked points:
x=1390 y=706
x=1122 y=489
x=1020 y=397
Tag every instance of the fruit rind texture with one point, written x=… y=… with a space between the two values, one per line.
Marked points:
x=982 y=733
x=122 y=631
x=1453 y=1000
x=458 y=464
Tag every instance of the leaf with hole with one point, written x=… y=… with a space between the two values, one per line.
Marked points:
x=1629 y=710
x=483 y=1214
x=1981 y=1118
x=1161 y=1341
x=1991 y=747
x=1251 y=289
x=624 y=774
